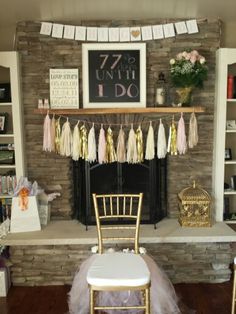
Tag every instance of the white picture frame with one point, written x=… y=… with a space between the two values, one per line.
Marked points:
x=114 y=75
x=64 y=88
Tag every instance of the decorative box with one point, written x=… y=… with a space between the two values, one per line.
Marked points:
x=44 y=213
x=195 y=207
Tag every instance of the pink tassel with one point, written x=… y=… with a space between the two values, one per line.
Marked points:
x=53 y=131
x=121 y=152
x=47 y=134
x=181 y=136
x=102 y=146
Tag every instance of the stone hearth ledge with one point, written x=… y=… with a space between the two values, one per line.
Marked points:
x=167 y=231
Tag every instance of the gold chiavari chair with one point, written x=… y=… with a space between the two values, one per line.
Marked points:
x=118 y=271
x=234 y=289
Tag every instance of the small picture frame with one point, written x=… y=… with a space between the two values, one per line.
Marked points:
x=3 y=123
x=228 y=154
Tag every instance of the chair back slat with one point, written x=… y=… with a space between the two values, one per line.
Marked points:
x=115 y=208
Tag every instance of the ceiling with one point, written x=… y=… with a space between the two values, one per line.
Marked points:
x=73 y=11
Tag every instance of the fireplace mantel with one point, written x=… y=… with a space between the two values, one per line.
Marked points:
x=146 y=110
x=168 y=231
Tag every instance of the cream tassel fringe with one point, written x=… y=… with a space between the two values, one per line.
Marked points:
x=102 y=146
x=92 y=149
x=57 y=135
x=47 y=134
x=161 y=142
x=121 y=151
x=53 y=132
x=181 y=136
x=193 y=131
x=76 y=143
x=132 y=156
x=66 y=139
x=150 y=145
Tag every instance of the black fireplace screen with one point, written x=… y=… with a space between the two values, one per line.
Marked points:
x=149 y=177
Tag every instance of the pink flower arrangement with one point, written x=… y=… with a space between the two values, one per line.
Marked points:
x=188 y=69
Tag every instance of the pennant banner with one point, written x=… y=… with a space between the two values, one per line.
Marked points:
x=119 y=34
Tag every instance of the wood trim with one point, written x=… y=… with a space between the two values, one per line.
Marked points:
x=95 y=111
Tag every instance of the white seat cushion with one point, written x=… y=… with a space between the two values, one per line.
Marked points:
x=118 y=270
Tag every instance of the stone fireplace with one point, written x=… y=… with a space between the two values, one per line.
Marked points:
x=55 y=173
x=149 y=177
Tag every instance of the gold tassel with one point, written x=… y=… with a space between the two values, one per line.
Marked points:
x=110 y=149
x=139 y=141
x=83 y=142
x=57 y=135
x=173 y=140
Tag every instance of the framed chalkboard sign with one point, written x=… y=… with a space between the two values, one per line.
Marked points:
x=114 y=75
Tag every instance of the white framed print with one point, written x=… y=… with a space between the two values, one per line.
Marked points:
x=114 y=75
x=64 y=88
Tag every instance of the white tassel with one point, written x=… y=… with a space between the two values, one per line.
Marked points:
x=66 y=140
x=132 y=156
x=92 y=149
x=150 y=145
x=193 y=131
x=161 y=142
x=76 y=143
x=102 y=146
x=181 y=136
x=121 y=151
x=169 y=140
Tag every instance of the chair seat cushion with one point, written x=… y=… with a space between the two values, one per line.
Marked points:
x=118 y=270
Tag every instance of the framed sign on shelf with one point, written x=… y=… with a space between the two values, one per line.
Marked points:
x=64 y=88
x=114 y=75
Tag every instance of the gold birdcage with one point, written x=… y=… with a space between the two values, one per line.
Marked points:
x=195 y=207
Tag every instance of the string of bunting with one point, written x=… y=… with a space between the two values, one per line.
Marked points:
x=119 y=34
x=77 y=142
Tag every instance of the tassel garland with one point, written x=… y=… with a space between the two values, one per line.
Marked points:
x=139 y=140
x=193 y=131
x=102 y=146
x=57 y=136
x=81 y=144
x=181 y=136
x=150 y=145
x=161 y=142
x=132 y=156
x=121 y=151
x=76 y=143
x=110 y=149
x=66 y=140
x=53 y=130
x=92 y=150
x=47 y=134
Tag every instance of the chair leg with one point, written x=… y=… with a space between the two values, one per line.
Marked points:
x=147 y=300
x=91 y=301
x=233 y=295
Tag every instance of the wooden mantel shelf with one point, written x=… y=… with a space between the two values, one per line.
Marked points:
x=89 y=111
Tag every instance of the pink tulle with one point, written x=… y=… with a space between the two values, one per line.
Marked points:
x=101 y=146
x=163 y=297
x=181 y=137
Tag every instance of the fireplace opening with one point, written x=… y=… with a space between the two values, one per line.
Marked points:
x=149 y=177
